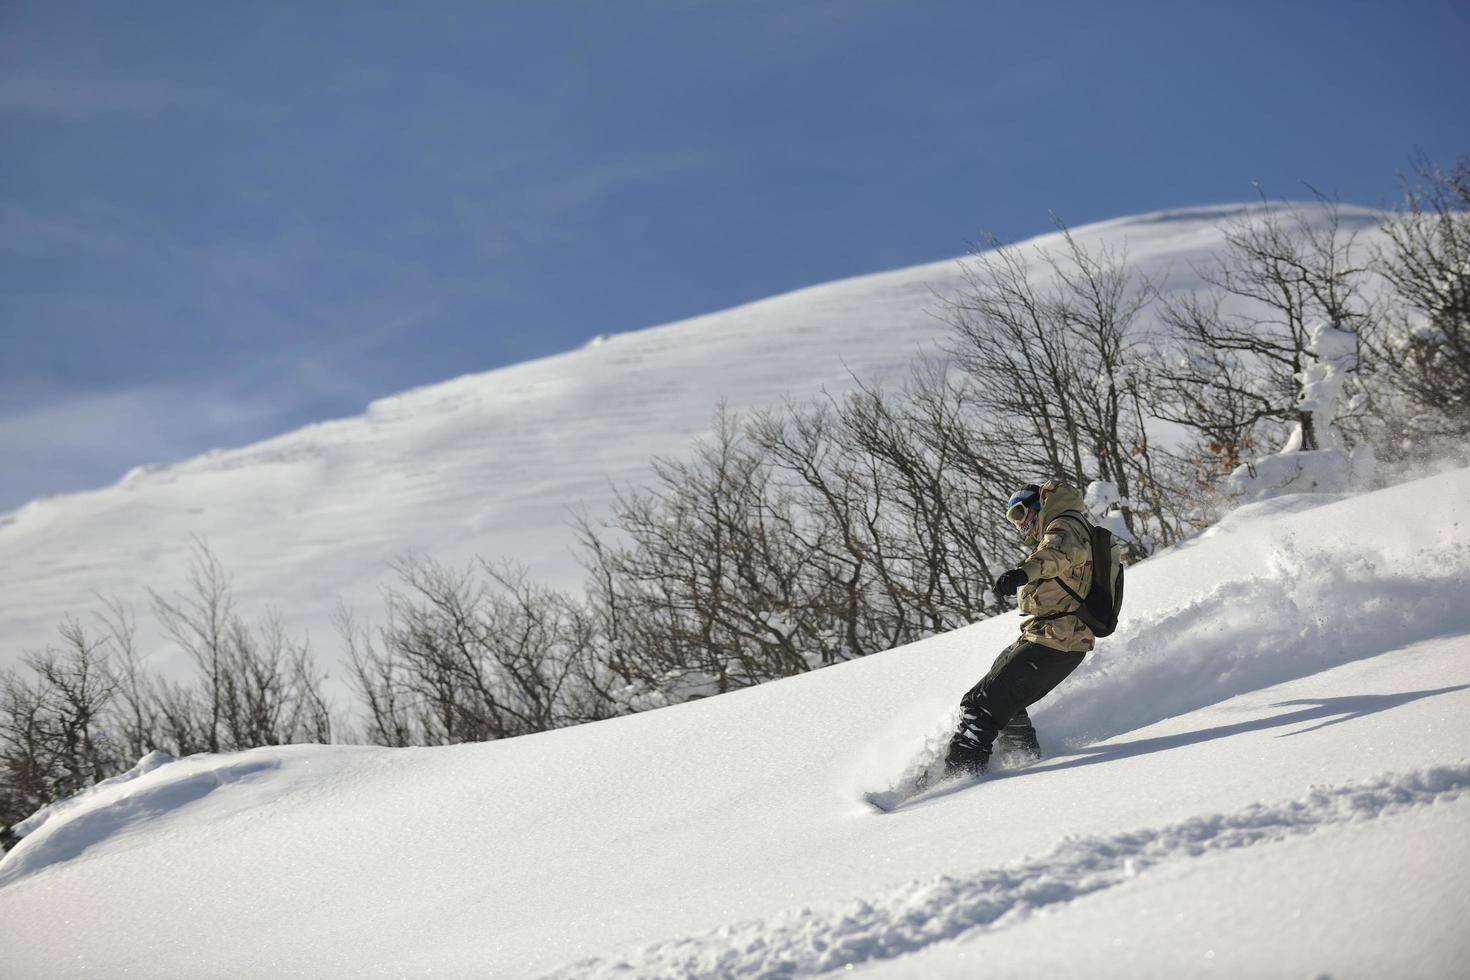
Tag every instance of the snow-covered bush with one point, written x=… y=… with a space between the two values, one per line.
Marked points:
x=1331 y=359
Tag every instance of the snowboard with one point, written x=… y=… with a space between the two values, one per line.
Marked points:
x=888 y=800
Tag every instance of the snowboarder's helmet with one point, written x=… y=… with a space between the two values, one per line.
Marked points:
x=1023 y=506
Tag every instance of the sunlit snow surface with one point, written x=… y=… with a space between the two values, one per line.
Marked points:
x=1263 y=773
x=491 y=463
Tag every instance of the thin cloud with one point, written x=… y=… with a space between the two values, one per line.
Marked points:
x=580 y=188
x=79 y=95
x=65 y=440
x=25 y=231
x=548 y=198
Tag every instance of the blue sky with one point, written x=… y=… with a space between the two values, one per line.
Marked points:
x=222 y=221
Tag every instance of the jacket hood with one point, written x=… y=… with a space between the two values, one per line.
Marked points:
x=1056 y=499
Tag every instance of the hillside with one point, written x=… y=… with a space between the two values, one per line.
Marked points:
x=490 y=463
x=1263 y=773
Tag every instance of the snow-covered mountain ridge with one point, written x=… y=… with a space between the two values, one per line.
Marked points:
x=1263 y=773
x=489 y=463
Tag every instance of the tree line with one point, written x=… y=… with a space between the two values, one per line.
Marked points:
x=829 y=528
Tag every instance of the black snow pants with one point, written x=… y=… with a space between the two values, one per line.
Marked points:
x=996 y=707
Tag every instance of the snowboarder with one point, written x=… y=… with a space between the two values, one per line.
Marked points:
x=1053 y=639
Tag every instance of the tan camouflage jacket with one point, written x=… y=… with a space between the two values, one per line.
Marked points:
x=1063 y=551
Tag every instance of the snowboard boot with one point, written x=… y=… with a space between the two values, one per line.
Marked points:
x=967 y=757
x=962 y=769
x=1016 y=745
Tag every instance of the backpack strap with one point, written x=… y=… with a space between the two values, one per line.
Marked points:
x=1081 y=603
x=1086 y=527
x=1086 y=537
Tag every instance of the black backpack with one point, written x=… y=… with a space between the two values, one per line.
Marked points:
x=1099 y=610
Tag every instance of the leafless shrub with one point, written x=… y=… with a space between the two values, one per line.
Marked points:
x=708 y=583
x=1423 y=351
x=471 y=655
x=256 y=685
x=53 y=738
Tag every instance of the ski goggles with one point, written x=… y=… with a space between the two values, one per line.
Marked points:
x=1021 y=515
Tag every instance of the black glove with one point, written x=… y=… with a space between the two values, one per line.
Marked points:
x=1010 y=581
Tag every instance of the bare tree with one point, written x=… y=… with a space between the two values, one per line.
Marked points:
x=1234 y=369
x=27 y=781
x=381 y=684
x=707 y=585
x=136 y=717
x=1053 y=354
x=931 y=539
x=199 y=621
x=256 y=685
x=78 y=691
x=472 y=654
x=1100 y=302
x=832 y=497
x=1424 y=351
x=1010 y=337
x=53 y=740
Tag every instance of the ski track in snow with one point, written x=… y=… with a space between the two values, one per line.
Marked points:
x=909 y=918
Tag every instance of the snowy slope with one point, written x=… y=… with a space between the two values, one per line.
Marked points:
x=489 y=463
x=1263 y=773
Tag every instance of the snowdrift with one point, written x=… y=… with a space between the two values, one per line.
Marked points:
x=1263 y=773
